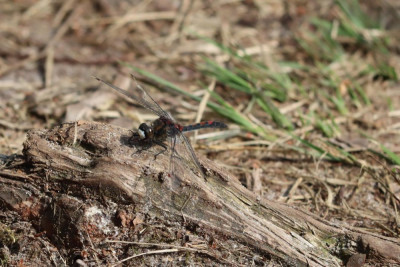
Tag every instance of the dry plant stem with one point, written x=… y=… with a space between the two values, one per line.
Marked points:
x=147 y=253
x=177 y=26
x=47 y=51
x=221 y=207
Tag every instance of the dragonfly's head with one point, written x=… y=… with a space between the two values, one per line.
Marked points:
x=145 y=131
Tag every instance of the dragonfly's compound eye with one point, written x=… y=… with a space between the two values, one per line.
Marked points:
x=145 y=131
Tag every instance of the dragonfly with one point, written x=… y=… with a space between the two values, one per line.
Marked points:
x=165 y=128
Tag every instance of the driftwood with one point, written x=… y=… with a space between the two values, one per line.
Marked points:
x=92 y=200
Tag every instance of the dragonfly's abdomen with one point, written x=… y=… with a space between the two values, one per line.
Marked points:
x=204 y=124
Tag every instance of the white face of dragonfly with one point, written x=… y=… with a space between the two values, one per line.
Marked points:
x=141 y=133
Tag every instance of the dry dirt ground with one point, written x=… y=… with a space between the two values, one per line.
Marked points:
x=51 y=49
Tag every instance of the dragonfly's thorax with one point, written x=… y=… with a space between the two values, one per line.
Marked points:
x=172 y=127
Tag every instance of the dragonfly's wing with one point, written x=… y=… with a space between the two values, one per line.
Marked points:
x=147 y=98
x=140 y=96
x=183 y=157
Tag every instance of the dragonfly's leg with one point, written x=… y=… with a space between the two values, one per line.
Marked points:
x=141 y=148
x=162 y=145
x=140 y=145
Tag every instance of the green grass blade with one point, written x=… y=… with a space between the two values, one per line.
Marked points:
x=391 y=155
x=317 y=149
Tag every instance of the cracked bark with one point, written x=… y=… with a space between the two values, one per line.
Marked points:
x=82 y=181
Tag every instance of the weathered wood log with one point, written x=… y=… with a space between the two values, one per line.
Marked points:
x=82 y=185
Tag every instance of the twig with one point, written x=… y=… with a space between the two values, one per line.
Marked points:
x=147 y=253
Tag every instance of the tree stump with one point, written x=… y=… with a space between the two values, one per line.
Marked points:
x=81 y=195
